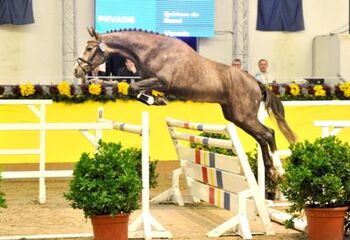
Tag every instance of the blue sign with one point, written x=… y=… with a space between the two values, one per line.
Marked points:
x=188 y=18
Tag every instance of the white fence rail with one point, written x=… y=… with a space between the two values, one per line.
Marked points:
x=332 y=127
x=145 y=221
x=42 y=127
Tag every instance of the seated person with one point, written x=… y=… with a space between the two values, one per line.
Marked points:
x=236 y=62
x=263 y=75
x=129 y=70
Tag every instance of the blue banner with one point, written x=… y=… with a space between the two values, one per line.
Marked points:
x=112 y=14
x=189 y=18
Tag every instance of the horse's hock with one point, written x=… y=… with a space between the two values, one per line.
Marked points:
x=221 y=180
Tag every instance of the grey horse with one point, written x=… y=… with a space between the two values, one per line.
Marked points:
x=169 y=65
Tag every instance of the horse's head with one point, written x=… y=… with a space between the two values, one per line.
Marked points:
x=93 y=55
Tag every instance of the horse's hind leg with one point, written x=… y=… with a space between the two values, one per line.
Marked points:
x=271 y=140
x=263 y=135
x=273 y=148
x=260 y=133
x=268 y=135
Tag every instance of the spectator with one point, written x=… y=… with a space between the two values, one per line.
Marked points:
x=236 y=62
x=129 y=71
x=263 y=75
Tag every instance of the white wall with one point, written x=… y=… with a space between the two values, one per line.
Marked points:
x=219 y=48
x=290 y=54
x=84 y=19
x=34 y=52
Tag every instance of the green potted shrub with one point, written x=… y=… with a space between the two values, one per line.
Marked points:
x=317 y=181
x=2 y=198
x=106 y=186
x=153 y=175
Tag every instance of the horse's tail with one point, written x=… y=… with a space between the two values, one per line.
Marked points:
x=272 y=102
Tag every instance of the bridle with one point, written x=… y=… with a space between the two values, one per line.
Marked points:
x=89 y=61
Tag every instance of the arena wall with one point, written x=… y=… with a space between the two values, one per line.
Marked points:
x=67 y=146
x=33 y=53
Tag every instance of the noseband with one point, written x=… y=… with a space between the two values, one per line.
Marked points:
x=90 y=59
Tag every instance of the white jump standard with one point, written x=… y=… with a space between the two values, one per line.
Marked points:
x=225 y=181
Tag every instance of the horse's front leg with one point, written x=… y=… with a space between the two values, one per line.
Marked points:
x=141 y=90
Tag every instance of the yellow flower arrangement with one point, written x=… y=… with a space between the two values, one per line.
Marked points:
x=123 y=88
x=157 y=93
x=64 y=89
x=319 y=91
x=345 y=88
x=27 y=89
x=294 y=89
x=80 y=93
x=95 y=89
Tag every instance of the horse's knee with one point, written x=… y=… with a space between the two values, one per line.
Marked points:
x=133 y=89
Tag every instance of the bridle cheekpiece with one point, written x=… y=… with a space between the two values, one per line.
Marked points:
x=99 y=48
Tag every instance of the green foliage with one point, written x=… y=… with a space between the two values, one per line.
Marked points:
x=289 y=223
x=2 y=198
x=107 y=183
x=318 y=174
x=213 y=149
x=153 y=175
x=80 y=93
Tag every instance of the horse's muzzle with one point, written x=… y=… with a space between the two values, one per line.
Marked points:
x=79 y=72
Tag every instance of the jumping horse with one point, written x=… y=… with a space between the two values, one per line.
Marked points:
x=169 y=65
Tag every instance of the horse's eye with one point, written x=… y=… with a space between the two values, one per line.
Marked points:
x=88 y=48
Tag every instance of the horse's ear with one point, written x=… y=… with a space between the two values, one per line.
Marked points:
x=94 y=34
x=91 y=31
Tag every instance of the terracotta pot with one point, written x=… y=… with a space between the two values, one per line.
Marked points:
x=325 y=223
x=111 y=228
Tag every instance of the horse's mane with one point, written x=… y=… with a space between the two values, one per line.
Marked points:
x=134 y=30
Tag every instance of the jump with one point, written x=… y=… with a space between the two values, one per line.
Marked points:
x=169 y=65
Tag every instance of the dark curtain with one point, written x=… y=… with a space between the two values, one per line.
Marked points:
x=113 y=64
x=280 y=15
x=16 y=12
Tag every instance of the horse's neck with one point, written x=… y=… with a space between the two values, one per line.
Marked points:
x=128 y=44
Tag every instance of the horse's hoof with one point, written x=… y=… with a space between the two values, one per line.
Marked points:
x=276 y=174
x=280 y=171
x=276 y=161
x=160 y=101
x=149 y=100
